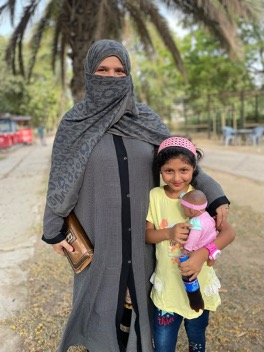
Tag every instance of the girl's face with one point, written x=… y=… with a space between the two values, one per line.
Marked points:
x=111 y=66
x=177 y=175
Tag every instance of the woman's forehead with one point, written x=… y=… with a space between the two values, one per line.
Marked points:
x=103 y=49
x=110 y=60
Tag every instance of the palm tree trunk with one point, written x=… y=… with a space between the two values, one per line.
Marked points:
x=81 y=28
x=77 y=82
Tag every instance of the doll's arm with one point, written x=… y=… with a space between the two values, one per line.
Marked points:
x=217 y=201
x=197 y=258
x=193 y=240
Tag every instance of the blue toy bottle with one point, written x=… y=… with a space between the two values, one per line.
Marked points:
x=192 y=289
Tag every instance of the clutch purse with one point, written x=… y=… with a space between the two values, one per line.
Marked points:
x=82 y=254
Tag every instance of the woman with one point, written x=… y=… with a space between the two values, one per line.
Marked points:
x=102 y=168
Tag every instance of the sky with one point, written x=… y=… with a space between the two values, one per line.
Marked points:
x=5 y=24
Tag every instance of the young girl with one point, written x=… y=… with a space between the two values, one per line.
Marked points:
x=168 y=228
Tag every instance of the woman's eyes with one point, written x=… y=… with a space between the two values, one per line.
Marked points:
x=103 y=69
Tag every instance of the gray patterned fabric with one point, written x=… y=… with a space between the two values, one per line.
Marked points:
x=109 y=107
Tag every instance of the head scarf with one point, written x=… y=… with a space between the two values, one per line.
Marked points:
x=109 y=106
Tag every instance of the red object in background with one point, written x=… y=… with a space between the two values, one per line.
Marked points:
x=25 y=135
x=14 y=130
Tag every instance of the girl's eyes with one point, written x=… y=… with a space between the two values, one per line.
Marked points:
x=168 y=171
x=183 y=171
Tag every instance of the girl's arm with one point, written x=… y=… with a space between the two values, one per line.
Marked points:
x=178 y=233
x=197 y=258
x=217 y=201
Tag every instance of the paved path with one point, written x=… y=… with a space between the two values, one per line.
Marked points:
x=22 y=173
x=240 y=172
x=239 y=163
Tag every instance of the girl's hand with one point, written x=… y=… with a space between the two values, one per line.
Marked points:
x=180 y=232
x=221 y=215
x=58 y=247
x=194 y=264
x=210 y=262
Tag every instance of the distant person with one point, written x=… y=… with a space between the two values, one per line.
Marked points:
x=101 y=168
x=41 y=134
x=168 y=228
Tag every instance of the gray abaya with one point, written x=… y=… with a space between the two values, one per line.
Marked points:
x=92 y=320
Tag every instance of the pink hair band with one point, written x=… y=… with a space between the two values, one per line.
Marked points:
x=177 y=142
x=192 y=206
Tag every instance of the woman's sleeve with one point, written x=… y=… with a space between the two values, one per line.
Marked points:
x=53 y=227
x=213 y=191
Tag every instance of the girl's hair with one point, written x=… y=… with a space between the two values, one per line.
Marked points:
x=175 y=152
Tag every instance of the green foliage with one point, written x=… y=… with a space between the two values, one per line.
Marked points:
x=215 y=81
x=209 y=69
x=156 y=79
x=252 y=36
x=13 y=92
x=40 y=98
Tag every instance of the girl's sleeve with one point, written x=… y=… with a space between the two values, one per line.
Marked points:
x=53 y=227
x=213 y=191
x=149 y=214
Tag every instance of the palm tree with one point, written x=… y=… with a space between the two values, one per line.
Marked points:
x=77 y=24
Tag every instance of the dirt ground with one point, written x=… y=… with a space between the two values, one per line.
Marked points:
x=238 y=324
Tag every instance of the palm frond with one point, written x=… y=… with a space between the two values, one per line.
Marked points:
x=247 y=9
x=35 y=42
x=138 y=17
x=9 y=6
x=220 y=18
x=62 y=60
x=55 y=43
x=17 y=38
x=162 y=27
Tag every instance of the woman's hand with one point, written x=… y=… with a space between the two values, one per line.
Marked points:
x=58 y=247
x=180 y=232
x=194 y=264
x=221 y=215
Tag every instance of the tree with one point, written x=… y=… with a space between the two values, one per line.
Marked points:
x=77 y=23
x=210 y=69
x=252 y=36
x=13 y=92
x=157 y=79
x=40 y=98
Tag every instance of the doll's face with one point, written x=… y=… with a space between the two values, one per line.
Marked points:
x=188 y=212
x=191 y=213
